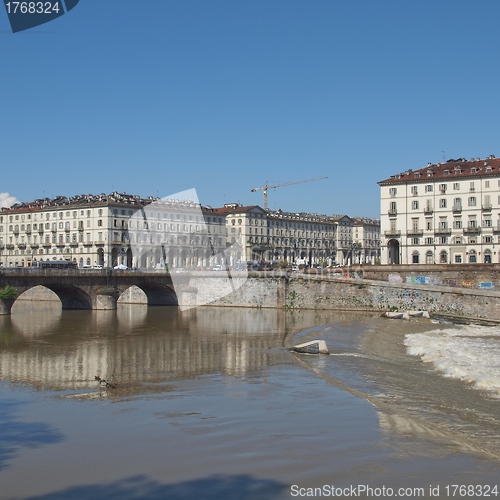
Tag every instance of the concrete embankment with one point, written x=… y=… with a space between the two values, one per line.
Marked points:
x=310 y=292
x=467 y=293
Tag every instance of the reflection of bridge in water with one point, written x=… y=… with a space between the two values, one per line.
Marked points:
x=91 y=289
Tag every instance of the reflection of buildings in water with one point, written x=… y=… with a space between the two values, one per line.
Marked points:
x=131 y=315
x=136 y=345
x=174 y=350
x=30 y=319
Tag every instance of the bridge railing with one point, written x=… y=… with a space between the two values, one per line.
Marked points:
x=33 y=271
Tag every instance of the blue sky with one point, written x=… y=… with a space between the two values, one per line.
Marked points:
x=153 y=97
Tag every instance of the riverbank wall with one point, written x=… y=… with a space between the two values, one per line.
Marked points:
x=344 y=293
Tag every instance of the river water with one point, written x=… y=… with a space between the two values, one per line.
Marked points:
x=209 y=403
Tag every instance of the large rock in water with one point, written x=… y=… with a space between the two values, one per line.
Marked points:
x=313 y=347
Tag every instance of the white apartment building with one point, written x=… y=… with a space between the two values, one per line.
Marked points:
x=442 y=213
x=366 y=240
x=105 y=229
x=311 y=238
x=150 y=233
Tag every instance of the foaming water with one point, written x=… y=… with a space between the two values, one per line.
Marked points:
x=439 y=382
x=467 y=353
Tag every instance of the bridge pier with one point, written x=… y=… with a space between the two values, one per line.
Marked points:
x=105 y=299
x=6 y=306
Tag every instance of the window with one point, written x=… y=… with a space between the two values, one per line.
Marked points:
x=456 y=186
x=428 y=224
x=486 y=184
x=415 y=205
x=442 y=203
x=428 y=188
x=443 y=240
x=415 y=258
x=415 y=241
x=488 y=239
x=429 y=241
x=487 y=222
x=472 y=188
x=458 y=259
x=457 y=224
x=442 y=188
x=393 y=192
x=457 y=204
x=472 y=201
x=414 y=190
x=443 y=257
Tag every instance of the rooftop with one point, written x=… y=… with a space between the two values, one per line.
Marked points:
x=451 y=169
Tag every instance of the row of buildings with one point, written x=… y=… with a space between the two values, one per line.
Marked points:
x=440 y=214
x=149 y=232
x=444 y=213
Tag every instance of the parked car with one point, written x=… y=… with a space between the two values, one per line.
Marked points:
x=219 y=267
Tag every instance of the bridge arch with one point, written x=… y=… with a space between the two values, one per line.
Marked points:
x=71 y=297
x=156 y=294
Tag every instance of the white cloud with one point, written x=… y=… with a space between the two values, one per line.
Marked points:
x=6 y=200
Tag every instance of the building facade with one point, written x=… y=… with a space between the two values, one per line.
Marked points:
x=442 y=213
x=277 y=236
x=151 y=233
x=108 y=230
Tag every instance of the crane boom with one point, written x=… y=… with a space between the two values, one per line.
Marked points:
x=266 y=186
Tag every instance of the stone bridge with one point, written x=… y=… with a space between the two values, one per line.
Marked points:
x=90 y=289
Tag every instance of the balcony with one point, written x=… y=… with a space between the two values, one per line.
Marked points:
x=457 y=209
x=28 y=231
x=22 y=245
x=486 y=208
x=46 y=245
x=442 y=230
x=392 y=233
x=472 y=230
x=9 y=246
x=60 y=244
x=428 y=210
x=87 y=243
x=415 y=232
x=392 y=212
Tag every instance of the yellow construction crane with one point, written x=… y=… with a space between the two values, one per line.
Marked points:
x=266 y=187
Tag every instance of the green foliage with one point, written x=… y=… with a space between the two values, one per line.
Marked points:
x=8 y=292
